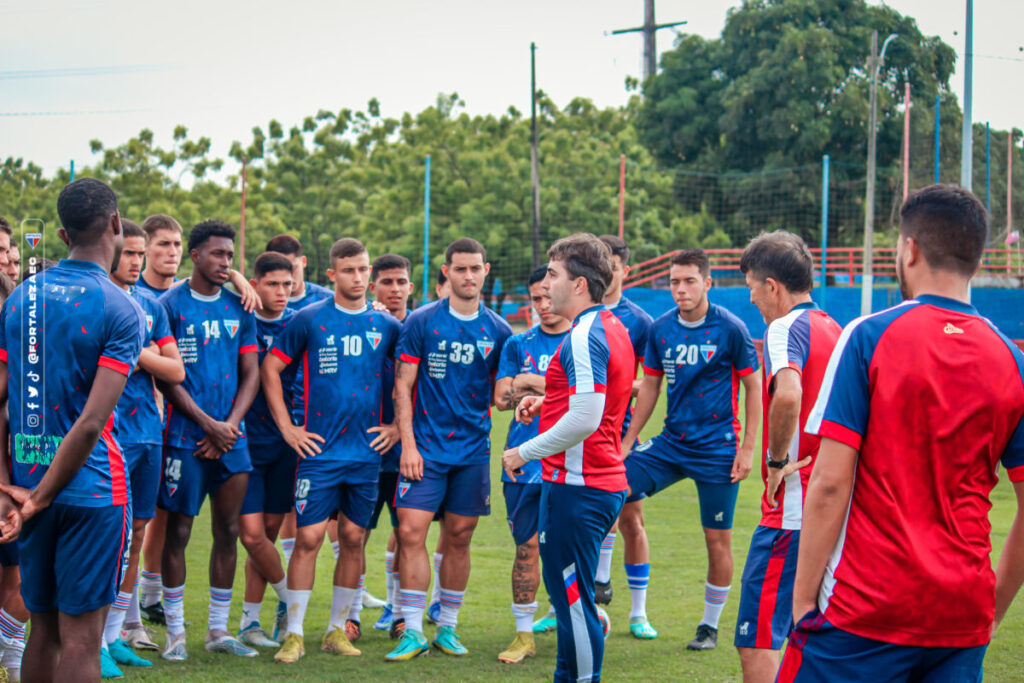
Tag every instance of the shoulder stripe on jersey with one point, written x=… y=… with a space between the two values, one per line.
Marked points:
x=579 y=340
x=115 y=365
x=406 y=358
x=249 y=348
x=165 y=341
x=285 y=358
x=777 y=343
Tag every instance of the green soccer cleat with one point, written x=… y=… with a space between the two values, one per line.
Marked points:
x=447 y=641
x=413 y=644
x=546 y=625
x=108 y=668
x=122 y=654
x=640 y=628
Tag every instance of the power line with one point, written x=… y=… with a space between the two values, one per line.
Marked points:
x=75 y=72
x=80 y=112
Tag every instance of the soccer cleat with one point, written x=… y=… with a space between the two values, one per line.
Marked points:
x=123 y=654
x=280 y=621
x=384 y=623
x=108 y=667
x=371 y=602
x=154 y=613
x=603 y=593
x=706 y=638
x=292 y=650
x=139 y=638
x=546 y=625
x=6 y=676
x=413 y=644
x=434 y=613
x=174 y=649
x=337 y=642
x=397 y=629
x=640 y=628
x=447 y=641
x=229 y=645
x=256 y=636
x=353 y=630
x=521 y=648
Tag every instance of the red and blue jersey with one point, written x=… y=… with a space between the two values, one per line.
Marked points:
x=457 y=357
x=212 y=332
x=702 y=363
x=595 y=357
x=931 y=396
x=56 y=330
x=529 y=352
x=342 y=354
x=259 y=423
x=138 y=419
x=312 y=294
x=802 y=340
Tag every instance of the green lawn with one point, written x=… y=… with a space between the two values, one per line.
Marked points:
x=675 y=604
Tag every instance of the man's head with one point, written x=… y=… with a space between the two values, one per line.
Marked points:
x=465 y=264
x=443 y=288
x=943 y=229
x=778 y=267
x=579 y=273
x=620 y=265
x=391 y=282
x=211 y=245
x=690 y=279
x=128 y=264
x=350 y=269
x=5 y=243
x=88 y=212
x=14 y=262
x=163 y=244
x=291 y=247
x=540 y=298
x=272 y=279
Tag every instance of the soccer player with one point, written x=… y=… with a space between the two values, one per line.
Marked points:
x=65 y=371
x=919 y=405
x=5 y=245
x=304 y=293
x=797 y=344
x=343 y=345
x=205 y=450
x=442 y=289
x=448 y=353
x=139 y=433
x=524 y=360
x=163 y=254
x=704 y=352
x=272 y=480
x=14 y=263
x=588 y=385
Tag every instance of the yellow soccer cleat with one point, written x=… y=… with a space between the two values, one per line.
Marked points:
x=292 y=650
x=336 y=642
x=521 y=648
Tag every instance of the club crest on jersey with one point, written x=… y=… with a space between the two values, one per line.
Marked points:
x=374 y=339
x=172 y=488
x=232 y=327
x=149 y=323
x=402 y=488
x=33 y=239
x=708 y=351
x=300 y=506
x=485 y=346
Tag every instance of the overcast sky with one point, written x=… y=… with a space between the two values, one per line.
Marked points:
x=222 y=67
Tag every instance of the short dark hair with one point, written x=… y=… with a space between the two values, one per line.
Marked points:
x=464 y=245
x=5 y=226
x=270 y=261
x=285 y=244
x=85 y=206
x=586 y=256
x=131 y=229
x=781 y=256
x=160 y=221
x=537 y=275
x=389 y=262
x=346 y=247
x=950 y=225
x=202 y=232
x=693 y=257
x=40 y=265
x=618 y=247
x=441 y=277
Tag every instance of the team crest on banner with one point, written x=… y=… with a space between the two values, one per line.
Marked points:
x=149 y=323
x=402 y=488
x=708 y=351
x=232 y=327
x=485 y=347
x=374 y=339
x=33 y=239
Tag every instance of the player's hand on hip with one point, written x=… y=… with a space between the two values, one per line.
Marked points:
x=411 y=465
x=775 y=477
x=742 y=464
x=302 y=442
x=387 y=436
x=528 y=409
x=512 y=463
x=222 y=435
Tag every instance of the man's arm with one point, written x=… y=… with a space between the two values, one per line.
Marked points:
x=825 y=506
x=163 y=362
x=509 y=391
x=248 y=385
x=302 y=441
x=405 y=380
x=222 y=434
x=250 y=299
x=783 y=419
x=752 y=421
x=646 y=399
x=1010 y=570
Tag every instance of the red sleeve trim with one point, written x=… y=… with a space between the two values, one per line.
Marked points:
x=3 y=355
x=406 y=358
x=652 y=372
x=115 y=365
x=840 y=433
x=249 y=348
x=165 y=341
x=281 y=355
x=1015 y=473
x=744 y=372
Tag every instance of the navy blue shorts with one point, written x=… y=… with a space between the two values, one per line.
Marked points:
x=458 y=489
x=188 y=480
x=656 y=464
x=325 y=487
x=522 y=507
x=9 y=554
x=272 y=480
x=818 y=651
x=73 y=558
x=766 y=595
x=387 y=486
x=143 y=461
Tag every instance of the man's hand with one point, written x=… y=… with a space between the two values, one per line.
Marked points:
x=742 y=464
x=528 y=409
x=411 y=465
x=387 y=436
x=221 y=434
x=512 y=462
x=10 y=520
x=302 y=442
x=250 y=298
x=627 y=447
x=775 y=477
x=207 y=451
x=801 y=609
x=378 y=306
x=28 y=505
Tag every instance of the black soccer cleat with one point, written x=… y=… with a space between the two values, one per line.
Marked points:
x=706 y=638
x=603 y=593
x=154 y=613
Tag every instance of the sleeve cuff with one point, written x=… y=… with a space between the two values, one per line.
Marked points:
x=840 y=433
x=653 y=372
x=593 y=389
x=115 y=365
x=1015 y=473
x=164 y=341
x=745 y=371
x=278 y=353
x=406 y=358
x=248 y=348
x=3 y=355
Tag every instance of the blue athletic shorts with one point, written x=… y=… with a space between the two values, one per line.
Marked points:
x=818 y=651
x=522 y=507
x=458 y=489
x=272 y=480
x=766 y=595
x=656 y=464
x=143 y=461
x=9 y=554
x=325 y=487
x=188 y=480
x=73 y=558
x=387 y=485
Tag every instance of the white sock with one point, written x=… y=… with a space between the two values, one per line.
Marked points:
x=524 y=616
x=250 y=614
x=413 y=603
x=389 y=578
x=638 y=576
x=451 y=603
x=287 y=545
x=134 y=617
x=604 y=561
x=356 y=606
x=281 y=588
x=220 y=605
x=341 y=602
x=297 y=603
x=174 y=609
x=150 y=588
x=396 y=606
x=13 y=632
x=714 y=603
x=336 y=548
x=115 y=617
x=435 y=594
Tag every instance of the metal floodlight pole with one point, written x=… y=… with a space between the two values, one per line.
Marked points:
x=967 y=142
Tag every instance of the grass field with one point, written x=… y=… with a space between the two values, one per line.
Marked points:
x=675 y=604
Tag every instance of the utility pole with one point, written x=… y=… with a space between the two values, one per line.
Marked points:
x=967 y=143
x=649 y=29
x=534 y=170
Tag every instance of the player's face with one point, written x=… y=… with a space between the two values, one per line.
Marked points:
x=350 y=276
x=542 y=304
x=762 y=295
x=298 y=272
x=559 y=287
x=466 y=274
x=901 y=276
x=443 y=290
x=163 y=253
x=213 y=259
x=619 y=273
x=5 y=246
x=392 y=288
x=274 y=288
x=130 y=264
x=689 y=288
x=14 y=262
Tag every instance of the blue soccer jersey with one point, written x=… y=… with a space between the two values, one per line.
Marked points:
x=138 y=420
x=638 y=323
x=212 y=331
x=342 y=354
x=528 y=352
x=312 y=294
x=56 y=330
x=390 y=461
x=457 y=357
x=259 y=423
x=155 y=291
x=702 y=363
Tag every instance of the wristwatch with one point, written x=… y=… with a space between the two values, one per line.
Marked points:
x=776 y=464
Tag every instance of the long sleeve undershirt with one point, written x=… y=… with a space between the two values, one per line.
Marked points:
x=581 y=420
